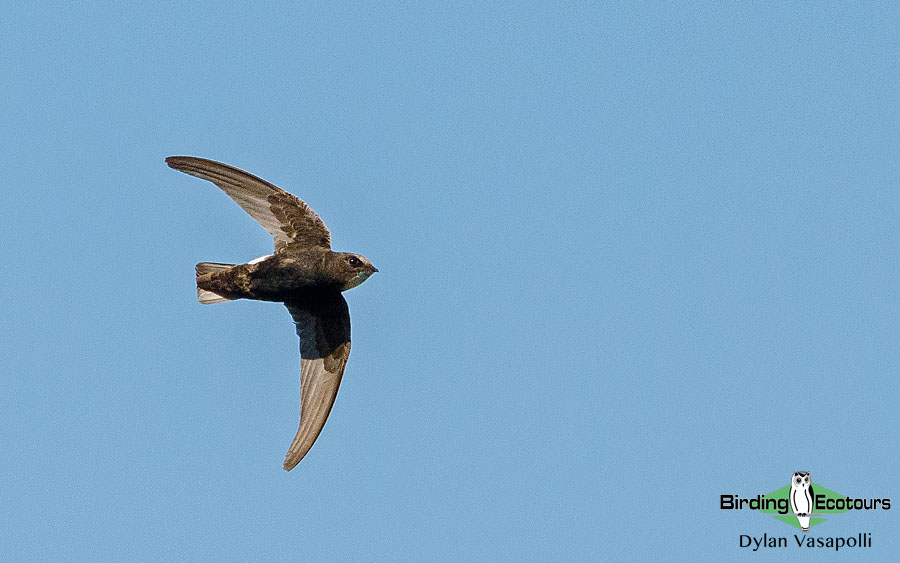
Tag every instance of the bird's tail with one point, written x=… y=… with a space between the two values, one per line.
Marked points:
x=204 y=296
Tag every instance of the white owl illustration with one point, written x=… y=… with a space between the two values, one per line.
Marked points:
x=802 y=496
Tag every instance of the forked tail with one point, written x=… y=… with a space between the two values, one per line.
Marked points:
x=204 y=296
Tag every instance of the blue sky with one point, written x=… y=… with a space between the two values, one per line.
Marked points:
x=631 y=258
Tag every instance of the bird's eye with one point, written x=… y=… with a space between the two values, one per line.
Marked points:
x=354 y=261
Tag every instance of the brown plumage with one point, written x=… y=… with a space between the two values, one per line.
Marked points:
x=303 y=273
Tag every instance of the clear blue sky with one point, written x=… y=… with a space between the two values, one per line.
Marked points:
x=631 y=258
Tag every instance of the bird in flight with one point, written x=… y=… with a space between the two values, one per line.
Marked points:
x=303 y=273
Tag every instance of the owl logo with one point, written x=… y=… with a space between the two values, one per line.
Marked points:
x=802 y=496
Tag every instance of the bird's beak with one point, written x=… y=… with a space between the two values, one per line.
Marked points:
x=374 y=269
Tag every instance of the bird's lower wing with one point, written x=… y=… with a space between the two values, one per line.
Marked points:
x=323 y=324
x=318 y=389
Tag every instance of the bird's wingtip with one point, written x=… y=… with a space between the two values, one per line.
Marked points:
x=173 y=161
x=290 y=463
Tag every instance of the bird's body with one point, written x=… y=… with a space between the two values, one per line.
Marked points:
x=303 y=273
x=280 y=277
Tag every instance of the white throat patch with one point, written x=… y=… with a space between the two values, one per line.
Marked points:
x=358 y=279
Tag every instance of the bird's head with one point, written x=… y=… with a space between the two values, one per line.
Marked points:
x=350 y=269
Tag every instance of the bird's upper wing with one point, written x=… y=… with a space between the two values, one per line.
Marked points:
x=284 y=215
x=323 y=324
